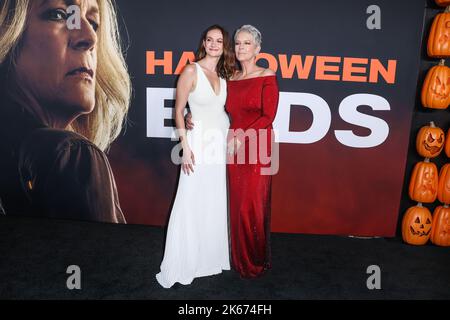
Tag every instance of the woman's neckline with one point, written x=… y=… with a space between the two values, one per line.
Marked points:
x=270 y=75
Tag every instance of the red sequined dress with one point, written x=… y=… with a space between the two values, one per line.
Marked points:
x=252 y=104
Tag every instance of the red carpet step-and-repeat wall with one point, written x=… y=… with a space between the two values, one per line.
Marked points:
x=348 y=74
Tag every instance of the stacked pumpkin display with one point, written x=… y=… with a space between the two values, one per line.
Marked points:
x=440 y=229
x=416 y=225
x=436 y=87
x=425 y=186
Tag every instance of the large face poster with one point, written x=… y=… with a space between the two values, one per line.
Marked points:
x=347 y=73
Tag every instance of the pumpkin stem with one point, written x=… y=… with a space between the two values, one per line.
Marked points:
x=432 y=124
x=447 y=9
x=419 y=204
x=445 y=205
x=427 y=160
x=442 y=61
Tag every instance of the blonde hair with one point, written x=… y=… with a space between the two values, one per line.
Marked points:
x=113 y=85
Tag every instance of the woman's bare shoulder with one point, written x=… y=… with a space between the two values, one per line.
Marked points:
x=188 y=76
x=189 y=70
x=267 y=72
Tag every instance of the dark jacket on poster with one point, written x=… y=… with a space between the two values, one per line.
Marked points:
x=53 y=173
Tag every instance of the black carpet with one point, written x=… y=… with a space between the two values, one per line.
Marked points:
x=120 y=262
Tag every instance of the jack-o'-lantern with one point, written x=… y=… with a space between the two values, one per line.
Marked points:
x=416 y=225
x=430 y=141
x=443 y=3
x=424 y=182
x=444 y=184
x=447 y=144
x=439 y=38
x=440 y=229
x=436 y=87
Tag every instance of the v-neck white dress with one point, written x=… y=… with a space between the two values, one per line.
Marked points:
x=197 y=235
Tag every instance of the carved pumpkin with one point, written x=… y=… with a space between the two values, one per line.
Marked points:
x=430 y=141
x=416 y=225
x=447 y=144
x=443 y=3
x=424 y=182
x=444 y=184
x=436 y=88
x=439 y=38
x=440 y=230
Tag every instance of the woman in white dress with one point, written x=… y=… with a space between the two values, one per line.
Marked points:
x=197 y=235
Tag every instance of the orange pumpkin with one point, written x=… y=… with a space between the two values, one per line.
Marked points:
x=424 y=182
x=436 y=88
x=444 y=184
x=439 y=38
x=447 y=144
x=430 y=141
x=443 y=3
x=440 y=228
x=416 y=225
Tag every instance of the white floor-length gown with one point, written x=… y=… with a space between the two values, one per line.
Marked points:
x=197 y=235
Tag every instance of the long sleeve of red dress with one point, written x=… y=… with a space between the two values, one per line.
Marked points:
x=269 y=104
x=252 y=105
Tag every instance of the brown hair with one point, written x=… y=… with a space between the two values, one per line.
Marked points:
x=227 y=63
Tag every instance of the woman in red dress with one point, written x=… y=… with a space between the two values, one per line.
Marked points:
x=252 y=104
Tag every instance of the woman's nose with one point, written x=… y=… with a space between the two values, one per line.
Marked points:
x=84 y=38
